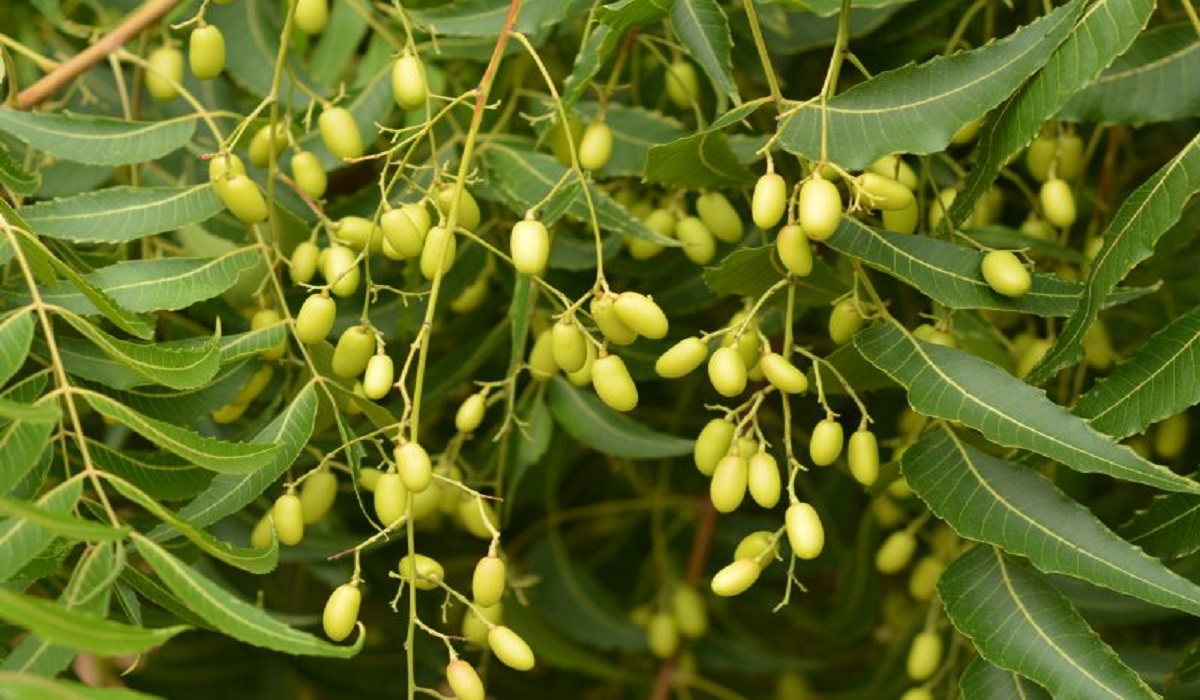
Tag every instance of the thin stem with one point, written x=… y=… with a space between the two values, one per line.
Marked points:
x=831 y=76
x=763 y=56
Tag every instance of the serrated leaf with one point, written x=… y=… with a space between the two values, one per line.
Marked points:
x=1104 y=32
x=43 y=412
x=1168 y=528
x=987 y=499
x=485 y=18
x=1156 y=80
x=22 y=540
x=951 y=384
x=61 y=524
x=702 y=160
x=252 y=343
x=917 y=109
x=593 y=54
x=90 y=633
x=230 y=614
x=1019 y=622
x=21 y=447
x=22 y=686
x=703 y=29
x=163 y=476
x=985 y=681
x=97 y=140
x=1143 y=218
x=120 y=214
x=14 y=176
x=210 y=453
x=16 y=333
x=592 y=423
x=752 y=271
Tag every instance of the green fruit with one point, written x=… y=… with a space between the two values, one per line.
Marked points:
x=641 y=315
x=315 y=319
x=820 y=208
x=1070 y=156
x=764 y=482
x=924 y=656
x=510 y=649
x=844 y=321
x=421 y=571
x=690 y=612
x=805 y=533
x=699 y=245
x=254 y=387
x=288 y=516
x=940 y=205
x=783 y=375
x=609 y=324
x=922 y=583
x=712 y=444
x=728 y=486
x=414 y=466
x=1171 y=436
x=918 y=693
x=1058 y=203
x=967 y=132
x=719 y=216
x=312 y=15
x=409 y=87
x=340 y=270
x=242 y=197
x=1040 y=155
x=825 y=445
x=895 y=168
x=583 y=377
x=662 y=635
x=863 y=456
x=472 y=297
x=541 y=358
x=354 y=350
x=662 y=222
x=265 y=318
x=221 y=167
x=769 y=201
x=759 y=546
x=468 y=209
x=318 y=494
x=341 y=611
x=368 y=478
x=267 y=143
x=487 y=583
x=681 y=358
x=464 y=681
x=262 y=533
x=569 y=346
x=1005 y=274
x=613 y=384
x=902 y=220
x=164 y=73
x=378 y=377
x=530 y=246
x=561 y=137
x=794 y=250
x=340 y=133
x=727 y=371
x=1037 y=228
x=229 y=413
x=683 y=87
x=596 y=146
x=206 y=52
x=438 y=253
x=895 y=552
x=402 y=233
x=310 y=177
x=884 y=193
x=358 y=233
x=474 y=628
x=475 y=515
x=931 y=334
x=735 y=578
x=470 y=413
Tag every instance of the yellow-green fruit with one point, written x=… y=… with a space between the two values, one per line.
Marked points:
x=863 y=456
x=438 y=253
x=746 y=446
x=1037 y=228
x=303 y=263
x=967 y=132
x=351 y=404
x=940 y=205
x=312 y=15
x=242 y=197
x=895 y=552
x=662 y=635
x=358 y=233
x=805 y=532
x=267 y=143
x=368 y=478
x=640 y=249
x=464 y=681
x=1171 y=436
x=468 y=209
x=641 y=315
x=902 y=220
x=682 y=358
x=884 y=193
x=735 y=578
x=341 y=611
x=288 y=516
x=530 y=245
x=712 y=444
x=475 y=515
x=561 y=138
x=164 y=73
x=229 y=413
x=260 y=536
x=769 y=200
x=221 y=167
x=825 y=445
x=759 y=545
x=583 y=377
x=340 y=133
x=820 y=208
x=1070 y=156
x=683 y=87
x=899 y=488
x=894 y=167
x=340 y=270
x=265 y=318
x=917 y=694
x=569 y=346
x=206 y=52
x=541 y=358
x=609 y=324
x=487 y=583
x=378 y=377
x=472 y=297
x=254 y=387
x=764 y=482
x=1040 y=155
x=421 y=571
x=510 y=649
x=783 y=375
x=720 y=217
x=402 y=233
x=613 y=384
x=415 y=467
x=727 y=371
x=691 y=615
x=390 y=498
x=318 y=494
x=699 y=245
x=922 y=582
x=409 y=87
x=931 y=334
x=475 y=629
x=470 y=413
x=315 y=319
x=748 y=344
x=728 y=486
x=662 y=222
x=794 y=250
x=844 y=321
x=924 y=656
x=353 y=351
x=1058 y=203
x=310 y=177
x=1005 y=274
x=596 y=146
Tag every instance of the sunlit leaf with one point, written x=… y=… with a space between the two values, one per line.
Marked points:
x=120 y=214
x=589 y=421
x=97 y=140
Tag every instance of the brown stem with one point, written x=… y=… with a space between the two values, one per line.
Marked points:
x=70 y=69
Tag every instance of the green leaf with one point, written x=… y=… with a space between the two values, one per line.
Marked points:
x=1103 y=33
x=97 y=140
x=177 y=369
x=61 y=524
x=703 y=159
x=592 y=423
x=1168 y=528
x=1143 y=218
x=917 y=109
x=21 y=686
x=1156 y=80
x=90 y=633
x=16 y=333
x=252 y=559
x=448 y=373
x=521 y=311
x=14 y=176
x=163 y=476
x=1014 y=507
x=635 y=131
x=22 y=540
x=985 y=681
x=210 y=453
x=484 y=18
x=252 y=343
x=232 y=615
x=21 y=447
x=120 y=214
x=370 y=106
x=1020 y=623
x=252 y=29
x=751 y=271
x=951 y=384
x=703 y=29
x=46 y=411
x=337 y=45
x=1161 y=380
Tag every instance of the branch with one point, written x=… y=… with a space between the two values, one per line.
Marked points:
x=68 y=70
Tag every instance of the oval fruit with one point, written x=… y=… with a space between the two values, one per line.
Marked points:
x=596 y=146
x=719 y=216
x=312 y=15
x=358 y=233
x=895 y=552
x=735 y=578
x=1058 y=203
x=924 y=656
x=641 y=315
x=712 y=444
x=206 y=52
x=569 y=346
x=613 y=384
x=727 y=371
x=681 y=358
x=1171 y=436
x=583 y=377
x=469 y=215
x=409 y=87
x=932 y=334
x=401 y=232
x=391 y=498
x=474 y=628
x=258 y=381
x=477 y=517
x=884 y=193
x=1070 y=156
x=530 y=246
x=820 y=208
x=902 y=220
x=464 y=681
x=825 y=445
x=699 y=245
x=691 y=614
x=1040 y=154
x=340 y=133
x=1005 y=274
x=922 y=583
x=759 y=545
x=844 y=321
x=783 y=375
x=470 y=413
x=609 y=324
x=438 y=253
x=895 y=168
x=288 y=516
x=267 y=143
x=421 y=571
x=794 y=250
x=341 y=611
x=487 y=583
x=561 y=138
x=315 y=319
x=242 y=197
x=415 y=467
x=769 y=201
x=662 y=635
x=764 y=482
x=541 y=358
x=310 y=177
x=340 y=270
x=164 y=73
x=368 y=478
x=805 y=532
x=353 y=351
x=221 y=167
x=863 y=457
x=318 y=494
x=510 y=649
x=265 y=318
x=683 y=87
x=728 y=486
x=378 y=377
x=662 y=222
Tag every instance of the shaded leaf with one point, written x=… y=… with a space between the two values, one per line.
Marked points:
x=120 y=214
x=23 y=686
x=14 y=176
x=635 y=131
x=97 y=140
x=592 y=423
x=61 y=524
x=177 y=369
x=985 y=681
x=1168 y=528
x=484 y=18
x=703 y=29
x=163 y=476
x=77 y=630
x=22 y=540
x=703 y=159
x=16 y=333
